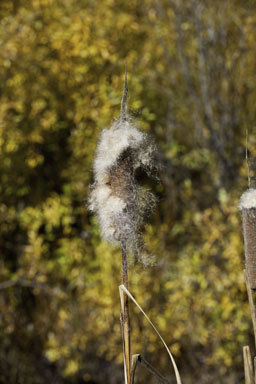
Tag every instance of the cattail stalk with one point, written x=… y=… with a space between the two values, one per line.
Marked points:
x=248 y=367
x=251 y=303
x=124 y=98
x=248 y=370
x=248 y=208
x=125 y=321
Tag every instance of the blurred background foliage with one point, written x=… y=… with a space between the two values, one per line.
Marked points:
x=191 y=67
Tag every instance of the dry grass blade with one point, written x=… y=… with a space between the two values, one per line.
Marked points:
x=149 y=367
x=177 y=374
x=135 y=359
x=152 y=370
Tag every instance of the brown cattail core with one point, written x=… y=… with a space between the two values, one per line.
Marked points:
x=121 y=180
x=249 y=230
x=122 y=184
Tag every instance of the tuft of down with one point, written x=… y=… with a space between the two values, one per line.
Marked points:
x=116 y=198
x=248 y=199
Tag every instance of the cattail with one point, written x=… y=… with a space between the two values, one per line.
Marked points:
x=248 y=209
x=119 y=202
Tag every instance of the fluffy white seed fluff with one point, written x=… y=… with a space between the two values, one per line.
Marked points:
x=117 y=200
x=248 y=199
x=113 y=142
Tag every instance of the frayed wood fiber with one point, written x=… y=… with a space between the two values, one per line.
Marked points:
x=248 y=209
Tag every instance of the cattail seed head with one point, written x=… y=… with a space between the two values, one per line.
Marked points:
x=118 y=201
x=248 y=209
